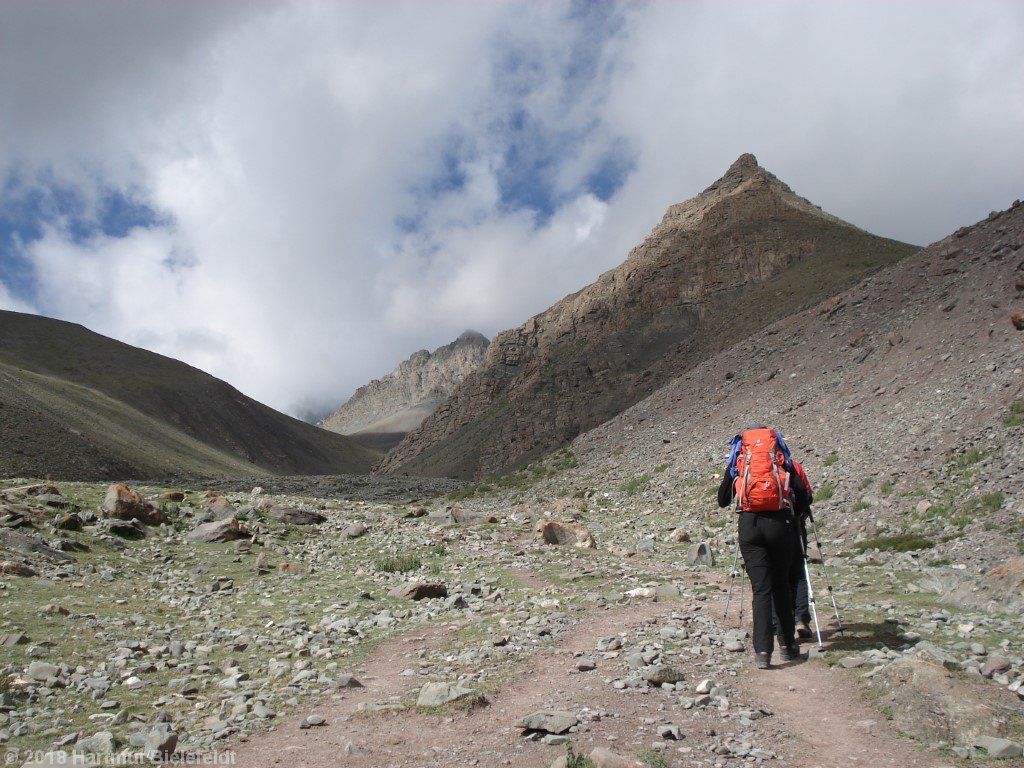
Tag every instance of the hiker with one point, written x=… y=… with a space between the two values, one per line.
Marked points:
x=797 y=574
x=760 y=477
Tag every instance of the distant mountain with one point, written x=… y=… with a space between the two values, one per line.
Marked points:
x=718 y=268
x=78 y=405
x=380 y=413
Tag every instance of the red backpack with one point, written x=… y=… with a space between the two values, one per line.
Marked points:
x=762 y=480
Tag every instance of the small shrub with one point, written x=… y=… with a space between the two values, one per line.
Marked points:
x=660 y=468
x=1016 y=415
x=902 y=542
x=632 y=487
x=970 y=457
x=652 y=759
x=886 y=488
x=990 y=502
x=397 y=563
x=831 y=459
x=825 y=493
x=572 y=760
x=940 y=562
x=860 y=506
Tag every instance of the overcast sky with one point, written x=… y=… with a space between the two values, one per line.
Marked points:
x=296 y=196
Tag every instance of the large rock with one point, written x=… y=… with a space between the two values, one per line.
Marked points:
x=560 y=534
x=550 y=720
x=998 y=749
x=295 y=516
x=418 y=591
x=222 y=530
x=123 y=503
x=700 y=554
x=439 y=694
x=161 y=741
x=933 y=704
x=662 y=674
x=102 y=743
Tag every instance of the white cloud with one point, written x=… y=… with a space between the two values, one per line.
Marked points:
x=338 y=184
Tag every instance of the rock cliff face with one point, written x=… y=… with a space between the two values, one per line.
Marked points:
x=399 y=402
x=719 y=267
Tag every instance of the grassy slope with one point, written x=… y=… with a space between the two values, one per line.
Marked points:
x=184 y=409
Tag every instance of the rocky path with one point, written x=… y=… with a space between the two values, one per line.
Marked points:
x=818 y=718
x=484 y=735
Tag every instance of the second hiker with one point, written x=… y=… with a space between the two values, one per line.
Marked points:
x=760 y=477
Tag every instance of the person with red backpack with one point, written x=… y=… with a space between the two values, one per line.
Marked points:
x=797 y=573
x=761 y=480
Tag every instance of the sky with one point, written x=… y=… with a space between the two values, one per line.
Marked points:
x=295 y=196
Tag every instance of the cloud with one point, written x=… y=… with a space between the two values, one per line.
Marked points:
x=295 y=196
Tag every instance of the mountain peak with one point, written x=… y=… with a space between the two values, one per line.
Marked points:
x=745 y=165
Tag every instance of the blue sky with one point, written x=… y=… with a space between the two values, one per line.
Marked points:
x=296 y=196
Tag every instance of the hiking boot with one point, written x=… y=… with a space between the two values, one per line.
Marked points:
x=803 y=630
x=789 y=652
x=762 y=660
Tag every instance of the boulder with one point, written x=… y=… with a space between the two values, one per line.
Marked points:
x=550 y=720
x=1017 y=318
x=418 y=591
x=439 y=694
x=700 y=554
x=998 y=749
x=9 y=568
x=122 y=503
x=172 y=496
x=217 y=509
x=295 y=516
x=102 y=743
x=662 y=674
x=126 y=529
x=67 y=521
x=354 y=531
x=161 y=741
x=222 y=530
x=933 y=704
x=561 y=534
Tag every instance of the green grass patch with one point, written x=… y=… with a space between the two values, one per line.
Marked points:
x=969 y=458
x=825 y=493
x=886 y=488
x=989 y=502
x=1015 y=417
x=860 y=506
x=903 y=542
x=397 y=563
x=660 y=468
x=829 y=460
x=634 y=486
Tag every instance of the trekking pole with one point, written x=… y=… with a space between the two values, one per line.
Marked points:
x=810 y=594
x=732 y=579
x=824 y=568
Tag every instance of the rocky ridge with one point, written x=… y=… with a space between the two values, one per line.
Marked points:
x=736 y=257
x=401 y=400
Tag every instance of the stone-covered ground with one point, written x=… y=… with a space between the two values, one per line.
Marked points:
x=303 y=633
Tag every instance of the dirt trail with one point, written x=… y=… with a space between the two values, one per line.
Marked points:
x=831 y=724
x=486 y=735
x=825 y=721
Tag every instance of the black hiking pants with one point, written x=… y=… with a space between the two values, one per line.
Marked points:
x=797 y=581
x=767 y=544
